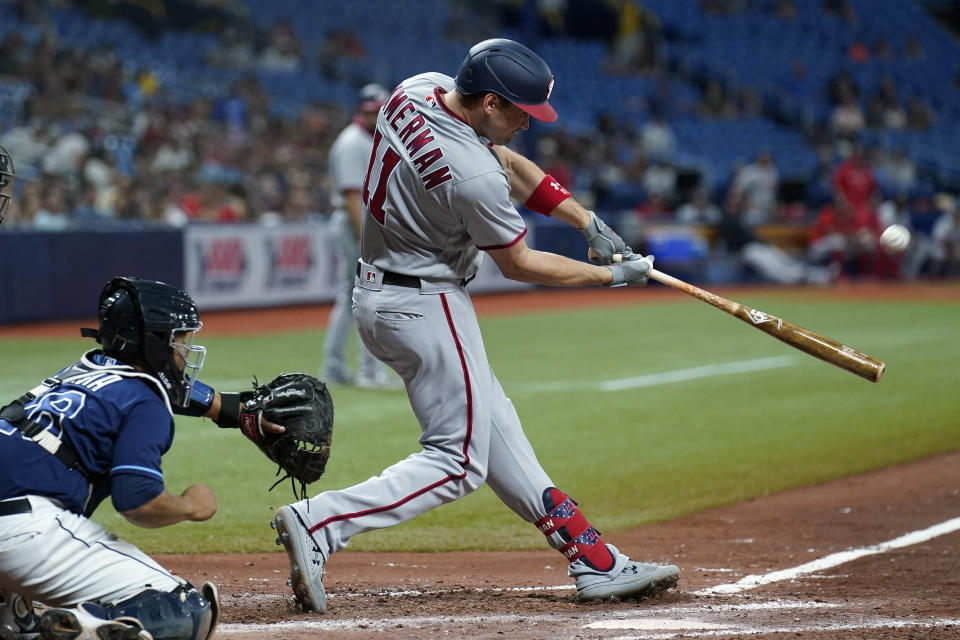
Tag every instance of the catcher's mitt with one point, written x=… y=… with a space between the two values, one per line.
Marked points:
x=302 y=404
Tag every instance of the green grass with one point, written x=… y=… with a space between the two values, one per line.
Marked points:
x=629 y=457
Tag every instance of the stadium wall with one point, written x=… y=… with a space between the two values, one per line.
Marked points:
x=51 y=275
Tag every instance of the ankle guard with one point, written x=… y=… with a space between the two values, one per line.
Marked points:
x=578 y=540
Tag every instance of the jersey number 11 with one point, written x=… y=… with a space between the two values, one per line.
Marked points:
x=387 y=164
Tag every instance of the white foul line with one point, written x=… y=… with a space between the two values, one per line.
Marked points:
x=835 y=559
x=664 y=377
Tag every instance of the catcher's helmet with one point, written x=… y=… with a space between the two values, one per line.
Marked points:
x=7 y=174
x=513 y=72
x=139 y=320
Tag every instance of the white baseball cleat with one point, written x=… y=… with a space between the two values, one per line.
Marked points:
x=627 y=578
x=80 y=624
x=306 y=559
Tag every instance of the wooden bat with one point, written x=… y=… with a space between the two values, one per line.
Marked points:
x=813 y=343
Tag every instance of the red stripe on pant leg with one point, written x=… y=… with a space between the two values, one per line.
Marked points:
x=466 y=445
x=466 y=377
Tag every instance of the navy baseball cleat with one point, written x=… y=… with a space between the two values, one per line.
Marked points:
x=627 y=579
x=80 y=624
x=306 y=559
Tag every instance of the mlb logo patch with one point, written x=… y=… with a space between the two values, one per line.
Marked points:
x=371 y=276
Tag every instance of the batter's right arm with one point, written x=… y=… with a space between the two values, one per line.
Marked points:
x=520 y=262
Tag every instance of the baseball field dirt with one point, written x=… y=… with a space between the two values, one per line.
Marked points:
x=903 y=593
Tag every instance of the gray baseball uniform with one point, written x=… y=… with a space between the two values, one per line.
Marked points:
x=348 y=161
x=435 y=197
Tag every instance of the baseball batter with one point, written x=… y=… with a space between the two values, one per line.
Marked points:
x=348 y=160
x=99 y=428
x=437 y=196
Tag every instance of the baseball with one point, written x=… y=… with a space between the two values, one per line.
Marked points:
x=895 y=238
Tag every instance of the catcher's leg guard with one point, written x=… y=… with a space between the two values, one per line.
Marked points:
x=570 y=533
x=17 y=618
x=181 y=614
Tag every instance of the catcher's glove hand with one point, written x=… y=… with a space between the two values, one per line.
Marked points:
x=300 y=403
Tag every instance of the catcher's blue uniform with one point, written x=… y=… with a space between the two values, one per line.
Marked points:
x=117 y=422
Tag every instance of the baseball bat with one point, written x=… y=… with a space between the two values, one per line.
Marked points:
x=808 y=341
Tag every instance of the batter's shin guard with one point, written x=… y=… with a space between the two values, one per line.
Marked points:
x=569 y=532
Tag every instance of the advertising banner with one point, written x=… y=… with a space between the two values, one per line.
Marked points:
x=237 y=266
x=240 y=266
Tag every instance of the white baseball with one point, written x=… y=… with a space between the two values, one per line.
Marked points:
x=895 y=238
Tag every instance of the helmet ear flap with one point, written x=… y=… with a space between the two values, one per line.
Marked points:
x=121 y=327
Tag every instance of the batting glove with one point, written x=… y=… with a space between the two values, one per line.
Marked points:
x=603 y=240
x=632 y=272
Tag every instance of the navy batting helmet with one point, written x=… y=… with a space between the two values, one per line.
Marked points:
x=513 y=72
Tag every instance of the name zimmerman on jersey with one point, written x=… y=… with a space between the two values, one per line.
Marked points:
x=416 y=137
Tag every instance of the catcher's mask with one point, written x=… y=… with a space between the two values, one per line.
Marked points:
x=7 y=174
x=141 y=320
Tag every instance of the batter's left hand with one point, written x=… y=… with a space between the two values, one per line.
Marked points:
x=604 y=241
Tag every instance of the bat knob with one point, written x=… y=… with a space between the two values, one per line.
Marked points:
x=592 y=256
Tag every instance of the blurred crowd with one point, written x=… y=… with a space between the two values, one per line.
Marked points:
x=99 y=143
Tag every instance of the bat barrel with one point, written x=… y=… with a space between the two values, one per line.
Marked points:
x=816 y=345
x=805 y=340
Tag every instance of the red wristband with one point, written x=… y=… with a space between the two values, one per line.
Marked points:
x=548 y=194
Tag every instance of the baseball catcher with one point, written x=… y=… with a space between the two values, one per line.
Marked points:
x=99 y=428
x=303 y=406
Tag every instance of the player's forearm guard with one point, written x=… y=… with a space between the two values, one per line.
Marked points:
x=201 y=397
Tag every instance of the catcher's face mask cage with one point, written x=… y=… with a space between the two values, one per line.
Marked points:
x=7 y=174
x=157 y=323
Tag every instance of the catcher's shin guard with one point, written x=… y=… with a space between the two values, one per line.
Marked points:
x=570 y=533
x=181 y=614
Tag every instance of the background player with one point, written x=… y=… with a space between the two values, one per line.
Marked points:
x=98 y=428
x=436 y=195
x=7 y=173
x=349 y=157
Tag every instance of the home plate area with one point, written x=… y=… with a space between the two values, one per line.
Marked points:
x=873 y=556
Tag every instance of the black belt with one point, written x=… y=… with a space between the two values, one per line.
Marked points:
x=400 y=280
x=12 y=507
x=397 y=279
